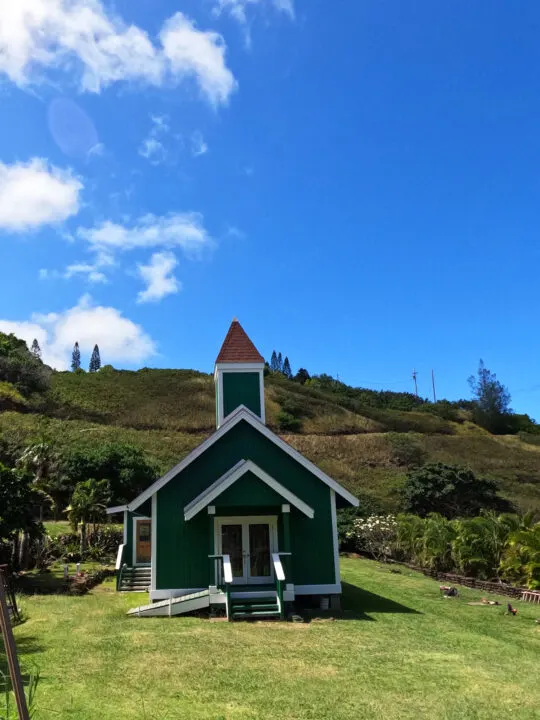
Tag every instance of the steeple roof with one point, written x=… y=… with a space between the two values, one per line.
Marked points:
x=237 y=347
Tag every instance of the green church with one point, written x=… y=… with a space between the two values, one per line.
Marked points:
x=243 y=521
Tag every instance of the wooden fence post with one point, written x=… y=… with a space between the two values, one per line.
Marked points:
x=11 y=653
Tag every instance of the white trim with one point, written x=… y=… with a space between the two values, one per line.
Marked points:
x=124 y=529
x=317 y=589
x=134 y=537
x=153 y=548
x=211 y=509
x=230 y=477
x=227 y=569
x=115 y=509
x=119 y=557
x=174 y=593
x=335 y=539
x=245 y=521
x=220 y=368
x=242 y=413
x=238 y=367
x=278 y=567
x=285 y=508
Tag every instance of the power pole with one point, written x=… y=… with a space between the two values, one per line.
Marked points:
x=414 y=374
x=433 y=384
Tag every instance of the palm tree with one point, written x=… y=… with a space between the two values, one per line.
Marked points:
x=438 y=535
x=410 y=534
x=43 y=462
x=522 y=558
x=88 y=504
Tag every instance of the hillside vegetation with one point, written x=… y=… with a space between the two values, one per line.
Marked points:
x=368 y=449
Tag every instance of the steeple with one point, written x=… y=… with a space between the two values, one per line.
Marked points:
x=238 y=375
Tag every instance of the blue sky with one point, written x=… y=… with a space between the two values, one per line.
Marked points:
x=358 y=182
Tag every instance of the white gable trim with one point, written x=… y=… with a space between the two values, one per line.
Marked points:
x=242 y=413
x=115 y=509
x=234 y=474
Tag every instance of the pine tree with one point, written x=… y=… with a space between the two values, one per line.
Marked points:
x=76 y=357
x=95 y=360
x=35 y=349
x=280 y=362
x=287 y=368
x=274 y=362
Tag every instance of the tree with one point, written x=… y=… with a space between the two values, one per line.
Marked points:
x=280 y=362
x=125 y=466
x=35 y=349
x=17 y=501
x=88 y=504
x=449 y=490
x=274 y=365
x=302 y=376
x=20 y=367
x=95 y=360
x=491 y=400
x=521 y=562
x=43 y=462
x=76 y=357
x=287 y=368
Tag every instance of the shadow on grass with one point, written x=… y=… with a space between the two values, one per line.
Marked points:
x=40 y=583
x=356 y=604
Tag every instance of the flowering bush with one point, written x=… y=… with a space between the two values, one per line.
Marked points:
x=376 y=535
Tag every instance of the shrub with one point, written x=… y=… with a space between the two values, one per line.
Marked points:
x=406 y=449
x=376 y=535
x=288 y=422
x=346 y=520
x=449 y=490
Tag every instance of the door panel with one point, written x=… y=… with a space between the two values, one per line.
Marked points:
x=232 y=544
x=259 y=552
x=143 y=541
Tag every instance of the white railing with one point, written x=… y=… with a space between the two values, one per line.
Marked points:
x=227 y=569
x=278 y=567
x=119 y=557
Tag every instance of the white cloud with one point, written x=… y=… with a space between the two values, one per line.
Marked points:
x=198 y=145
x=120 y=340
x=158 y=277
x=183 y=230
x=199 y=54
x=93 y=275
x=152 y=147
x=84 y=39
x=238 y=10
x=34 y=194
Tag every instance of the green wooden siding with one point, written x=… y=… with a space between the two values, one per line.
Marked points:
x=241 y=389
x=182 y=547
x=128 y=549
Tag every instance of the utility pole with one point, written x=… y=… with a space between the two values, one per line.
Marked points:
x=433 y=384
x=414 y=374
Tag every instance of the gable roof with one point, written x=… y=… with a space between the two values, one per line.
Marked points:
x=237 y=347
x=242 y=413
x=234 y=474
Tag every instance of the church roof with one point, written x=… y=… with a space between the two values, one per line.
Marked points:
x=237 y=347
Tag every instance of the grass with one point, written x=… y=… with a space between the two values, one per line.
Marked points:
x=397 y=651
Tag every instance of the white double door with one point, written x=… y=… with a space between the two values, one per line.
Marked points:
x=249 y=542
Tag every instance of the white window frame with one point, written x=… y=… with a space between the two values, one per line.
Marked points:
x=134 y=533
x=246 y=521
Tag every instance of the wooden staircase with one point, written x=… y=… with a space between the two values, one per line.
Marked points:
x=135 y=579
x=254 y=606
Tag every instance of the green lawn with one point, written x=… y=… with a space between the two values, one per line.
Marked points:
x=398 y=651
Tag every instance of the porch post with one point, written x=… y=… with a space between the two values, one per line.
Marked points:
x=212 y=580
x=286 y=515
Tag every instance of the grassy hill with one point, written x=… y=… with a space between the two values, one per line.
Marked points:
x=368 y=449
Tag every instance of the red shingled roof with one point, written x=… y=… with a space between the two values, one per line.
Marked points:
x=237 y=347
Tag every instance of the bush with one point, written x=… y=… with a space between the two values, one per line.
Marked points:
x=450 y=490
x=443 y=409
x=287 y=422
x=376 y=535
x=406 y=449
x=346 y=519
